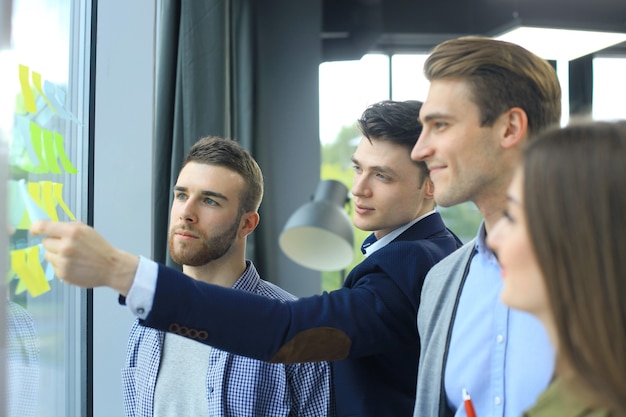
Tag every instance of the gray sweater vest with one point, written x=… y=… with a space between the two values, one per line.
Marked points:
x=440 y=296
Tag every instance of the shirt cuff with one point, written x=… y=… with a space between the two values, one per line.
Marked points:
x=141 y=294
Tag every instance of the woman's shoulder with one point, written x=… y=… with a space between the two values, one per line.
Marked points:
x=558 y=401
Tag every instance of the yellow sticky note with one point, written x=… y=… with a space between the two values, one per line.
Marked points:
x=62 y=155
x=36 y=139
x=37 y=83
x=34 y=191
x=47 y=199
x=49 y=152
x=25 y=263
x=31 y=198
x=27 y=92
x=57 y=191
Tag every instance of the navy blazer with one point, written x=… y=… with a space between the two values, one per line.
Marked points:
x=368 y=327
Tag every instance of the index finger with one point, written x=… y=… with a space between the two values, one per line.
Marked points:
x=49 y=228
x=39 y=227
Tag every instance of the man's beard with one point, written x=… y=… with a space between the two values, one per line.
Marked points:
x=211 y=248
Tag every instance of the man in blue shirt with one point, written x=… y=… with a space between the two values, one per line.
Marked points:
x=368 y=327
x=486 y=99
x=216 y=198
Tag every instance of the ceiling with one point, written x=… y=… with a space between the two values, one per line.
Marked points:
x=352 y=28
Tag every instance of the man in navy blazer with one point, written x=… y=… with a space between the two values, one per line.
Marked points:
x=368 y=327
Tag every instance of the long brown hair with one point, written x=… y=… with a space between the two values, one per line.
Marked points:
x=575 y=205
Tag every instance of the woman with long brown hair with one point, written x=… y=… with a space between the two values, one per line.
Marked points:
x=562 y=247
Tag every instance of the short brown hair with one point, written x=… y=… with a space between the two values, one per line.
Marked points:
x=502 y=75
x=227 y=153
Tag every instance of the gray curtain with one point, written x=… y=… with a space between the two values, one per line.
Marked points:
x=204 y=87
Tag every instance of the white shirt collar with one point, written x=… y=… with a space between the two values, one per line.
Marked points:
x=389 y=237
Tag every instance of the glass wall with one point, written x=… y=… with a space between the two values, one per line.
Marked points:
x=5 y=47
x=609 y=88
x=46 y=79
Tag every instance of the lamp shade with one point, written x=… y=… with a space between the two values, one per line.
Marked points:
x=319 y=234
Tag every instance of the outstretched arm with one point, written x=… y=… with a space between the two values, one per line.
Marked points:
x=82 y=257
x=374 y=315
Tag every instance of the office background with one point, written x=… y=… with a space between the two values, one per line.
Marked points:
x=114 y=190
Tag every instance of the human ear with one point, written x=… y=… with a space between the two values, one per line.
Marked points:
x=515 y=127
x=249 y=222
x=429 y=189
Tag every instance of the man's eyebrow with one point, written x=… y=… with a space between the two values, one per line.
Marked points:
x=206 y=193
x=215 y=195
x=433 y=116
x=384 y=169
x=378 y=168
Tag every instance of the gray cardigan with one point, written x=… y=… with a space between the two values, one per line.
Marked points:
x=440 y=297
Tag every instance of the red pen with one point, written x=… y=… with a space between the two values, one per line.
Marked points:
x=467 y=402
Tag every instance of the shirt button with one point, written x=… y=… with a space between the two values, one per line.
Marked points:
x=140 y=310
x=210 y=389
x=497 y=400
x=500 y=338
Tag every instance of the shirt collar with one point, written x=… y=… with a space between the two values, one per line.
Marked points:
x=249 y=279
x=389 y=237
x=481 y=245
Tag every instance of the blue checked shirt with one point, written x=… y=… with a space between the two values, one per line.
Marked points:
x=236 y=385
x=22 y=359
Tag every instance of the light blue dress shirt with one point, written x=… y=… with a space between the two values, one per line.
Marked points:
x=503 y=357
